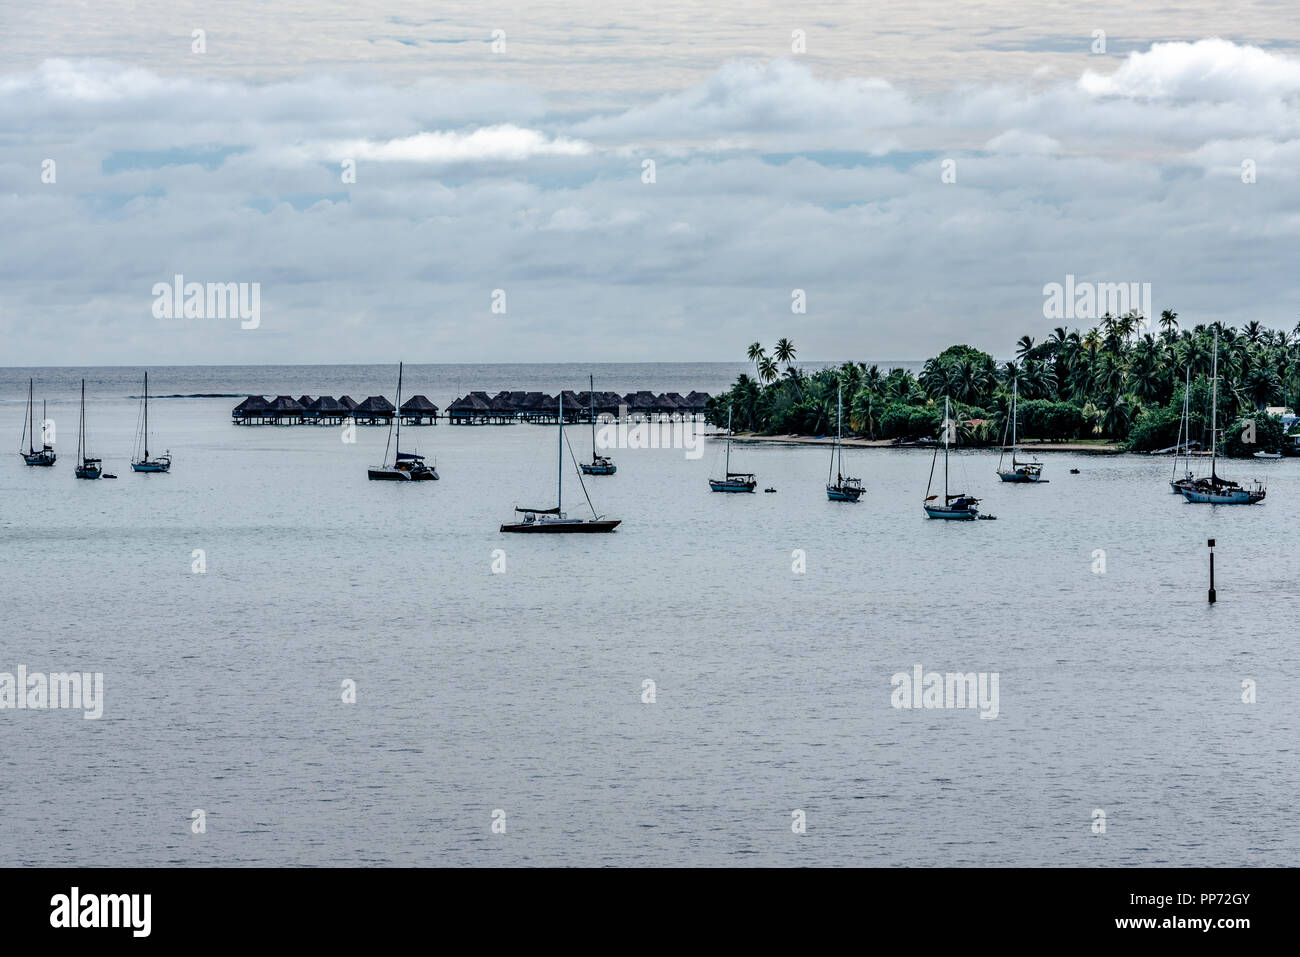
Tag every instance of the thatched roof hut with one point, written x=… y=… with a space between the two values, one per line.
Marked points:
x=639 y=402
x=696 y=401
x=347 y=402
x=327 y=404
x=285 y=406
x=253 y=404
x=374 y=406
x=418 y=404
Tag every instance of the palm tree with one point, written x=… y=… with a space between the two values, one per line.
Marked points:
x=864 y=411
x=1261 y=386
x=767 y=370
x=1024 y=347
x=755 y=352
x=1168 y=321
x=784 y=351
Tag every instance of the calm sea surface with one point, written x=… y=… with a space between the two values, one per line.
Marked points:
x=522 y=691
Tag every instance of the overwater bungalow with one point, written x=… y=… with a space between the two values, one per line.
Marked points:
x=418 y=410
x=326 y=410
x=695 y=403
x=375 y=410
x=665 y=406
x=254 y=410
x=285 y=410
x=640 y=405
x=503 y=408
x=472 y=409
x=349 y=404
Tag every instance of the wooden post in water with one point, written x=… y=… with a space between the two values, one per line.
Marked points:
x=1211 y=545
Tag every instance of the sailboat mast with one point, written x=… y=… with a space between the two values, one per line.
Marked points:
x=398 y=448
x=1214 y=410
x=726 y=472
x=1185 y=426
x=1015 y=411
x=31 y=436
x=946 y=426
x=559 y=461
x=44 y=418
x=839 y=429
x=591 y=393
x=81 y=426
x=146 y=415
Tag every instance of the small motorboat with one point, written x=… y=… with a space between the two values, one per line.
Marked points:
x=769 y=490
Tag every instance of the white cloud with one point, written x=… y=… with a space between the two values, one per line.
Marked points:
x=1018 y=141
x=488 y=144
x=1211 y=70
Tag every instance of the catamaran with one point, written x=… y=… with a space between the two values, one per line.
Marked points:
x=1031 y=471
x=960 y=507
x=554 y=520
x=34 y=456
x=144 y=463
x=406 y=466
x=1176 y=481
x=1212 y=490
x=87 y=468
x=599 y=464
x=845 y=488
x=732 y=481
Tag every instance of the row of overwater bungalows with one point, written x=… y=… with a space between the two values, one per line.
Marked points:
x=327 y=410
x=476 y=408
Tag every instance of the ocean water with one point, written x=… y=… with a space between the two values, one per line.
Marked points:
x=521 y=691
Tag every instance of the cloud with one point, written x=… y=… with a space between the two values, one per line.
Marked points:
x=770 y=176
x=488 y=144
x=1018 y=141
x=1211 y=70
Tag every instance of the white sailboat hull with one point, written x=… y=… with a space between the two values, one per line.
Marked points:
x=951 y=514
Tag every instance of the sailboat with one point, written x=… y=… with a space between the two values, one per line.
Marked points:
x=599 y=464
x=162 y=463
x=554 y=520
x=732 y=481
x=406 y=466
x=958 y=507
x=1020 y=471
x=87 y=468
x=844 y=488
x=1212 y=490
x=34 y=456
x=1176 y=481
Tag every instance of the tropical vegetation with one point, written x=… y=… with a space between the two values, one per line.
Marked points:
x=1115 y=383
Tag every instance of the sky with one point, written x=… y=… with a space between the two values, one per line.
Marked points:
x=564 y=181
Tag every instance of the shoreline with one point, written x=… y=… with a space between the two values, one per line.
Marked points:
x=1095 y=449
